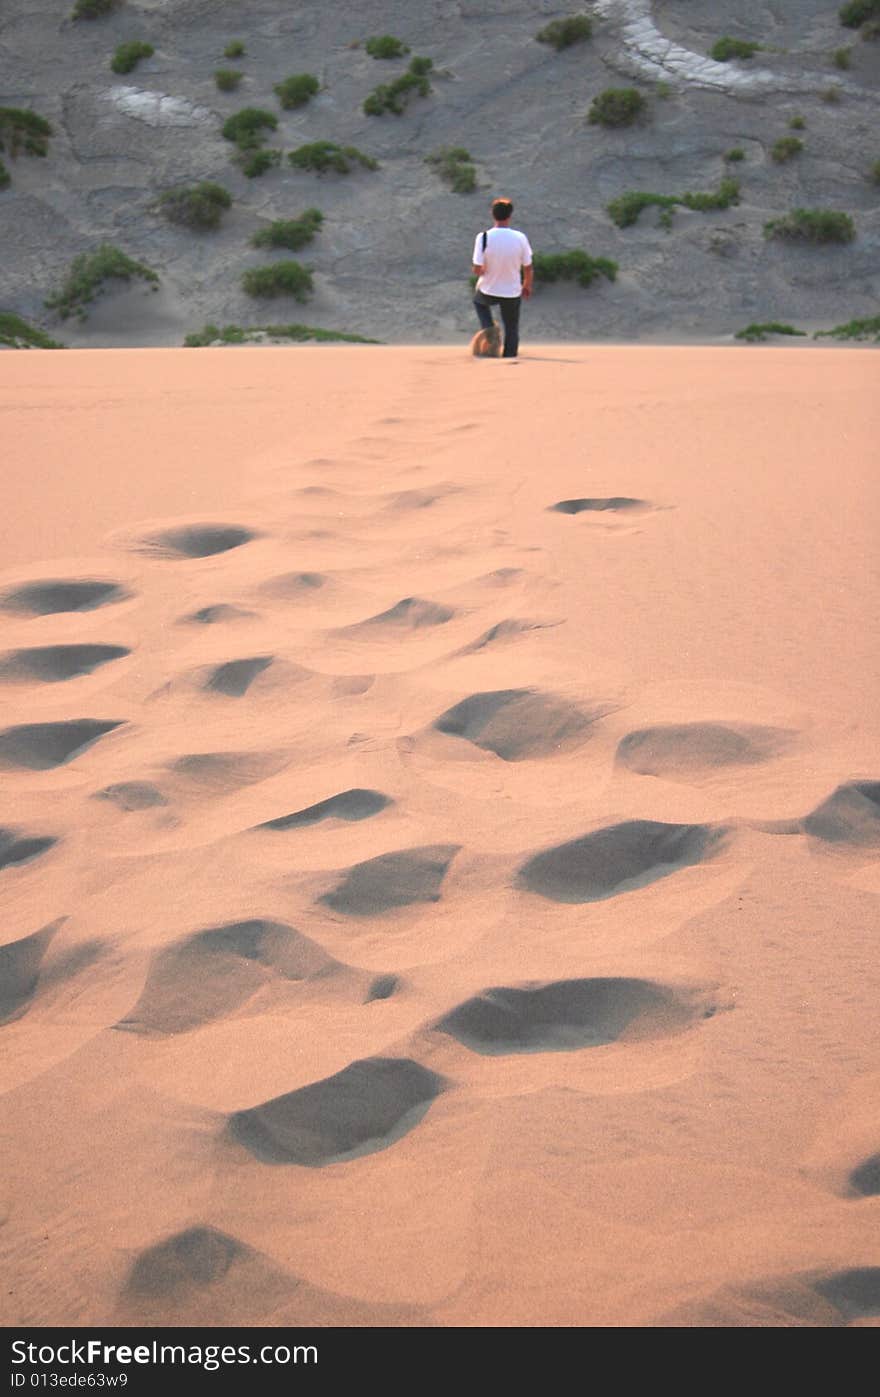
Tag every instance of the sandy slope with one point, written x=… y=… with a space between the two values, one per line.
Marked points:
x=423 y=904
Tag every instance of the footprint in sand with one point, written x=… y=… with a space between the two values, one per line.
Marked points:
x=355 y=804
x=850 y=815
x=16 y=848
x=829 y=1301
x=865 y=1178
x=41 y=746
x=235 y=677
x=219 y=772
x=51 y=664
x=364 y=1108
x=215 y=615
x=688 y=751
x=409 y=614
x=20 y=963
x=197 y=540
x=132 y=795
x=50 y=597
x=615 y=504
x=617 y=859
x=392 y=880
x=519 y=724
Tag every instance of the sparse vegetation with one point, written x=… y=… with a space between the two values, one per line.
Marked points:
x=279 y=279
x=812 y=226
x=663 y=90
x=453 y=164
x=797 y=123
x=625 y=210
x=875 y=172
x=296 y=90
x=616 y=106
x=18 y=334
x=562 y=33
x=726 y=48
x=227 y=79
x=93 y=9
x=734 y=155
x=842 y=58
x=198 y=207
x=385 y=46
x=857 y=12
x=129 y=55
x=234 y=49
x=324 y=156
x=757 y=333
x=254 y=163
x=831 y=94
x=238 y=334
x=575 y=265
x=292 y=233
x=867 y=329
x=5 y=177
x=22 y=130
x=394 y=96
x=246 y=127
x=786 y=148
x=87 y=275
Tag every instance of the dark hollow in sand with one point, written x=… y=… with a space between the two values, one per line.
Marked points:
x=392 y=880
x=356 y=804
x=46 y=598
x=132 y=795
x=615 y=502
x=53 y=663
x=40 y=746
x=850 y=815
x=382 y=987
x=855 y=1293
x=212 y=615
x=20 y=963
x=412 y=613
x=197 y=1257
x=865 y=1178
x=215 y=971
x=200 y=540
x=518 y=724
x=292 y=586
x=617 y=859
x=364 y=1108
x=17 y=848
x=682 y=749
x=235 y=677
x=564 y=1016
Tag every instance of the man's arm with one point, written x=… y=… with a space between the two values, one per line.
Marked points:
x=528 y=281
x=477 y=268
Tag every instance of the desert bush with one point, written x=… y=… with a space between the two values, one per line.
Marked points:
x=385 y=46
x=625 y=210
x=22 y=130
x=616 y=106
x=129 y=55
x=870 y=29
x=18 y=334
x=812 y=226
x=663 y=89
x=246 y=127
x=296 y=90
x=198 y=207
x=562 y=33
x=842 y=58
x=234 y=49
x=726 y=48
x=575 y=265
x=279 y=279
x=87 y=275
x=93 y=9
x=726 y=194
x=394 y=96
x=254 y=163
x=756 y=333
x=227 y=79
x=831 y=94
x=323 y=156
x=453 y=164
x=856 y=12
x=786 y=148
x=237 y=334
x=797 y=123
x=867 y=329
x=5 y=177
x=734 y=155
x=292 y=233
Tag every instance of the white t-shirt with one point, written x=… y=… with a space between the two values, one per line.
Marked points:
x=506 y=251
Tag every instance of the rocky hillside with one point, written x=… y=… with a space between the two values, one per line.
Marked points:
x=390 y=256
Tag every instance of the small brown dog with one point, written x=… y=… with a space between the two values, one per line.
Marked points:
x=486 y=344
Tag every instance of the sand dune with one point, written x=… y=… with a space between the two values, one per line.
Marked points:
x=438 y=839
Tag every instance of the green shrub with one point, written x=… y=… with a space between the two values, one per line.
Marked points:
x=385 y=46
x=573 y=266
x=831 y=94
x=726 y=48
x=625 y=210
x=292 y=233
x=322 y=156
x=236 y=334
x=857 y=12
x=734 y=155
x=868 y=329
x=22 y=130
x=279 y=279
x=842 y=58
x=875 y=172
x=453 y=164
x=18 y=334
x=254 y=163
x=234 y=49
x=812 y=226
x=562 y=33
x=227 y=79
x=5 y=177
x=786 y=148
x=198 y=207
x=93 y=9
x=129 y=55
x=246 y=127
x=87 y=275
x=663 y=89
x=296 y=90
x=797 y=123
x=755 y=334
x=616 y=106
x=394 y=96
x=870 y=29
x=726 y=194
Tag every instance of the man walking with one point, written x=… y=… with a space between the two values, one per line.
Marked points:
x=503 y=265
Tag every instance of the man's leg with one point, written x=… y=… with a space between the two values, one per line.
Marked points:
x=510 y=306
x=484 y=311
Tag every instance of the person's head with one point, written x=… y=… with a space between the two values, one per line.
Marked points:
x=502 y=209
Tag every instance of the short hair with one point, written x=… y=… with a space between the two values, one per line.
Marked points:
x=501 y=209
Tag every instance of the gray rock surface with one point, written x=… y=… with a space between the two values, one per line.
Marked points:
x=393 y=256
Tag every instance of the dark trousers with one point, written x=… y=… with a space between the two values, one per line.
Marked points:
x=510 y=306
